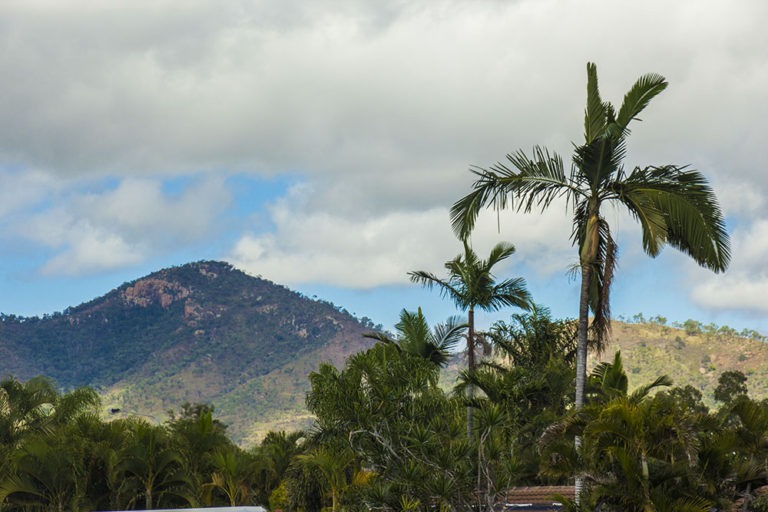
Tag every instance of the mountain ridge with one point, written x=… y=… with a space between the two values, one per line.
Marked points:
x=200 y=332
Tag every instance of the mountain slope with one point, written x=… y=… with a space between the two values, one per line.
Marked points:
x=697 y=355
x=202 y=332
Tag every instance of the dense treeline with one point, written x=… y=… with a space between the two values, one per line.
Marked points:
x=57 y=454
x=388 y=437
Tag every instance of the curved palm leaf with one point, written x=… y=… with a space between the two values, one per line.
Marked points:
x=674 y=206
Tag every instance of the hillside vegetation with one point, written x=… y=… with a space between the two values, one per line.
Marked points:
x=202 y=332
x=691 y=353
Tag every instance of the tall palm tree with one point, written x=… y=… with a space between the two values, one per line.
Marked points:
x=471 y=284
x=674 y=205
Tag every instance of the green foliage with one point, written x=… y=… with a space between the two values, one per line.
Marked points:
x=386 y=407
x=692 y=327
x=731 y=385
x=66 y=458
x=278 y=499
x=387 y=436
x=416 y=338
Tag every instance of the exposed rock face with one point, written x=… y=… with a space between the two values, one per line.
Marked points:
x=153 y=291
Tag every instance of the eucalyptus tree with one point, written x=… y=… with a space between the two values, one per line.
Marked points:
x=673 y=204
x=471 y=284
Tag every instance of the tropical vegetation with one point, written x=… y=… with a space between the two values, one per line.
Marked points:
x=387 y=435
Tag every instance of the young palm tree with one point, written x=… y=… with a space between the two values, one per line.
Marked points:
x=149 y=466
x=471 y=284
x=673 y=204
x=416 y=338
x=334 y=467
x=233 y=471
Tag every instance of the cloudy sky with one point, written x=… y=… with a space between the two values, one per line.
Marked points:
x=320 y=144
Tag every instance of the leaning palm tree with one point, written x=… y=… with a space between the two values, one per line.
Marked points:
x=674 y=205
x=471 y=284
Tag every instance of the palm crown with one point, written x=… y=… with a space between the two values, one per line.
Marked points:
x=673 y=204
x=416 y=338
x=471 y=283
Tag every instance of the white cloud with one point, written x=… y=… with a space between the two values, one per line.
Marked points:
x=91 y=232
x=20 y=191
x=339 y=89
x=744 y=286
x=379 y=106
x=90 y=250
x=309 y=245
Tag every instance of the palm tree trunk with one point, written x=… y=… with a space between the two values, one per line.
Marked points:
x=581 y=347
x=747 y=498
x=581 y=361
x=471 y=365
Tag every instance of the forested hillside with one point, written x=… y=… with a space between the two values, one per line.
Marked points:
x=202 y=332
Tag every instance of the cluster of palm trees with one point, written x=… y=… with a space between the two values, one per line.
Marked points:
x=57 y=454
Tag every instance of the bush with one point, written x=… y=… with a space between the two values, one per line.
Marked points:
x=692 y=327
x=278 y=500
x=760 y=504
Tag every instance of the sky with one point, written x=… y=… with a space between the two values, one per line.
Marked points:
x=321 y=144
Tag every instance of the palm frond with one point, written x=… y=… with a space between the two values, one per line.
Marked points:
x=499 y=252
x=601 y=324
x=511 y=293
x=637 y=98
x=642 y=391
x=536 y=182
x=678 y=207
x=430 y=281
x=594 y=114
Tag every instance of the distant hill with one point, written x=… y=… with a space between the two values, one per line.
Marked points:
x=202 y=332
x=692 y=354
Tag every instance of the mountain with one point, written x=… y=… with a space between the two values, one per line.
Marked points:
x=201 y=332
